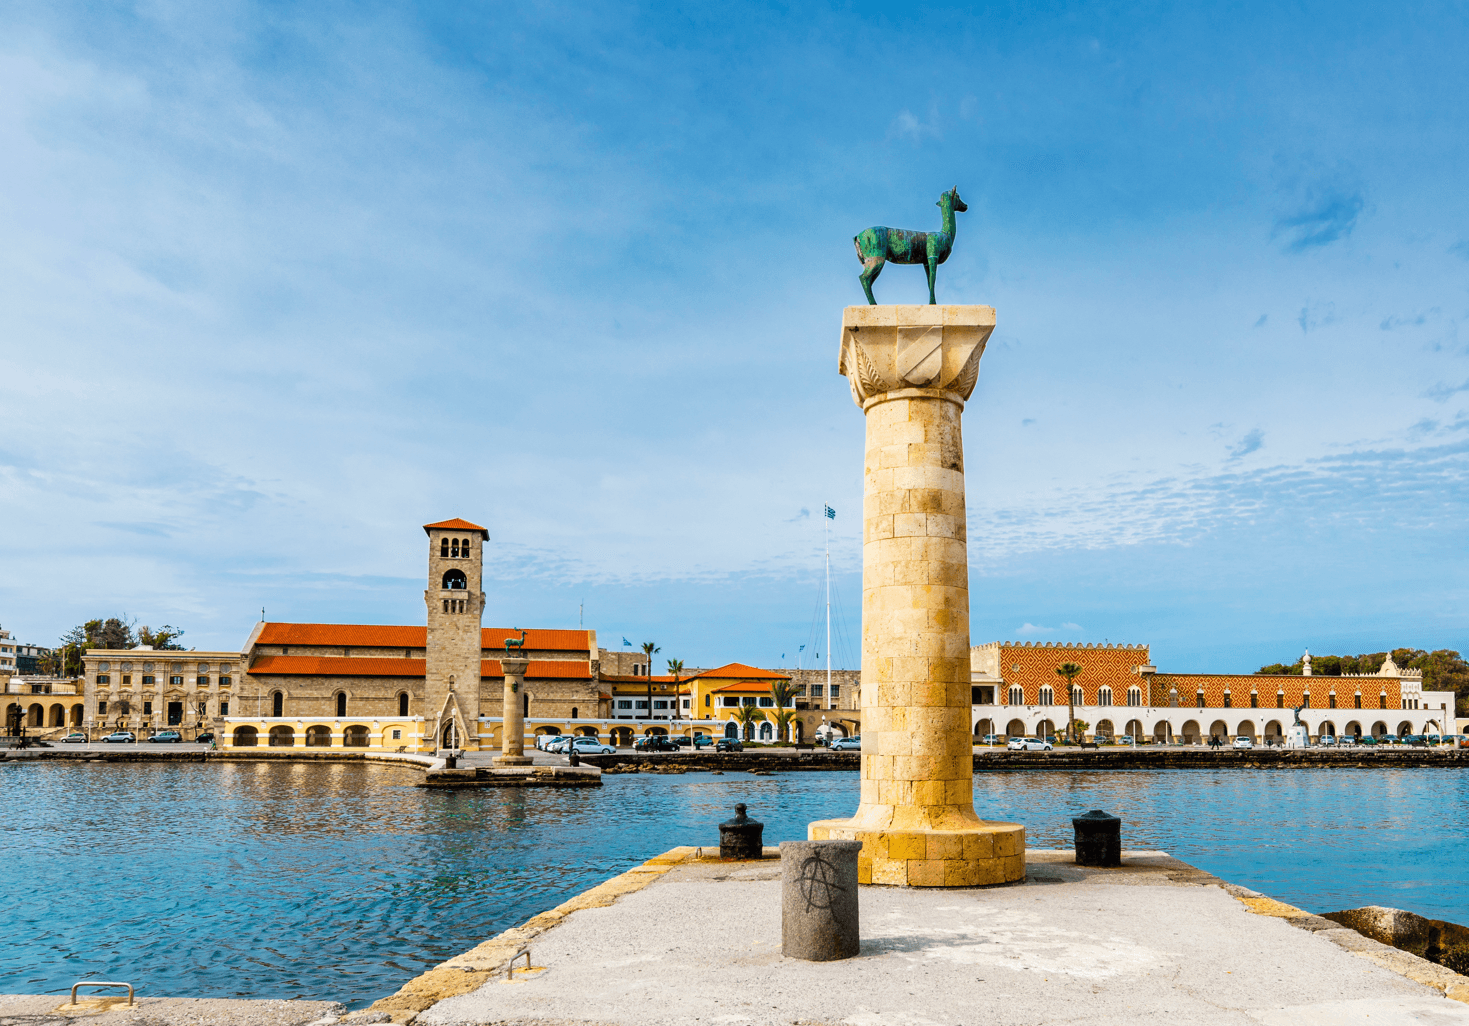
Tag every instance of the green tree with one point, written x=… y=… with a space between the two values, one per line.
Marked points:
x=1070 y=671
x=112 y=633
x=783 y=718
x=784 y=694
x=650 y=650
x=675 y=670
x=747 y=716
x=165 y=638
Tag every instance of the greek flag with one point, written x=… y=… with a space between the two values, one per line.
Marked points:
x=626 y=643
x=831 y=514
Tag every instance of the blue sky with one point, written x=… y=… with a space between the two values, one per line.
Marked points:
x=282 y=283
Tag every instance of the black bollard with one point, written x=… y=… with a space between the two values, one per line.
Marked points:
x=741 y=837
x=1098 y=839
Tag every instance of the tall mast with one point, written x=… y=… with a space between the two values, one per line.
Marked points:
x=828 y=607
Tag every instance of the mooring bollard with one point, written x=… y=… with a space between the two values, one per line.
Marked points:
x=818 y=899
x=741 y=837
x=1098 y=839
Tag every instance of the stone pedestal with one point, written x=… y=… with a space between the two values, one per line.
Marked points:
x=911 y=368
x=512 y=714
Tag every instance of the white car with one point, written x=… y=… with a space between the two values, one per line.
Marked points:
x=1243 y=741
x=1028 y=744
x=559 y=745
x=544 y=741
x=591 y=746
x=991 y=739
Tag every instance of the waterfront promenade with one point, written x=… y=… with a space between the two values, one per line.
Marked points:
x=1156 y=941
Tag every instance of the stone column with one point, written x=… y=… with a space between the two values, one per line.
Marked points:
x=512 y=714
x=911 y=368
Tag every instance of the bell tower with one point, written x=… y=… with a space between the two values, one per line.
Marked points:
x=456 y=605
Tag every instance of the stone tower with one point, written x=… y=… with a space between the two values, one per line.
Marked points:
x=451 y=680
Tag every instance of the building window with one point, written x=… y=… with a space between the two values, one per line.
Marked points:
x=685 y=703
x=1357 y=700
x=202 y=682
x=224 y=681
x=203 y=709
x=1228 y=702
x=1331 y=700
x=1254 y=699
x=1199 y=697
x=817 y=690
x=341 y=703
x=224 y=708
x=1017 y=696
x=403 y=704
x=443 y=548
x=766 y=703
x=103 y=678
x=147 y=708
x=573 y=712
x=1076 y=696
x=397 y=735
x=454 y=580
x=641 y=703
x=454 y=548
x=126 y=708
x=148 y=680
x=1104 y=696
x=1047 y=695
x=1306 y=699
x=102 y=707
x=1280 y=700
x=706 y=701
x=127 y=680
x=278 y=704
x=624 y=703
x=286 y=650
x=1382 y=700
x=660 y=704
x=730 y=702
x=176 y=680
x=1134 y=696
x=836 y=691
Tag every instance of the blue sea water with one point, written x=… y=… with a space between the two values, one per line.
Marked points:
x=342 y=881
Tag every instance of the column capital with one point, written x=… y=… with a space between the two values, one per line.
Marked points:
x=886 y=348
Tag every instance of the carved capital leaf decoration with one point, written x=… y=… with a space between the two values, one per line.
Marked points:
x=933 y=348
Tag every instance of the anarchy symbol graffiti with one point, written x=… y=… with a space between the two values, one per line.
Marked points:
x=818 y=883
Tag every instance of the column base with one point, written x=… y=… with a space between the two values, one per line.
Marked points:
x=512 y=760
x=980 y=856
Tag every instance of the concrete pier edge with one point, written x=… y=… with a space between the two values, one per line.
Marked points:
x=500 y=955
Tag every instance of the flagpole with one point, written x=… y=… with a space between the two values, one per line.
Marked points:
x=830 y=516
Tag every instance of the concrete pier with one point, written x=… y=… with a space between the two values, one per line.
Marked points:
x=1154 y=941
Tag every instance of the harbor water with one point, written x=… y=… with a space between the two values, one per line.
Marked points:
x=341 y=881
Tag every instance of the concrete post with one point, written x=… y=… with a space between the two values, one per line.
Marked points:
x=512 y=714
x=818 y=900
x=911 y=368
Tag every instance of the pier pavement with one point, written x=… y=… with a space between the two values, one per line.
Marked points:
x=686 y=938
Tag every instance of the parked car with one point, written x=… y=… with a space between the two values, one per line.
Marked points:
x=729 y=744
x=680 y=740
x=166 y=737
x=559 y=744
x=1243 y=741
x=702 y=741
x=1416 y=740
x=544 y=741
x=992 y=739
x=206 y=738
x=591 y=746
x=1326 y=740
x=1028 y=744
x=120 y=737
x=654 y=743
x=847 y=744
x=1126 y=739
x=74 y=738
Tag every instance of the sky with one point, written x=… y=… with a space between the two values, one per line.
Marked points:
x=281 y=283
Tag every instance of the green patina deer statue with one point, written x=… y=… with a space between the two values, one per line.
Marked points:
x=515 y=643
x=876 y=246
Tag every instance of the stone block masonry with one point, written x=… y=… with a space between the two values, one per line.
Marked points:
x=911 y=368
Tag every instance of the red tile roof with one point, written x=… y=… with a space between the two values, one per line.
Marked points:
x=741 y=671
x=343 y=666
x=456 y=525
x=385 y=636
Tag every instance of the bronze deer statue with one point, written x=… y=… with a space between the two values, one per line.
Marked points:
x=876 y=246
x=515 y=643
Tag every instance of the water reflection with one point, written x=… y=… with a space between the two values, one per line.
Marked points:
x=341 y=881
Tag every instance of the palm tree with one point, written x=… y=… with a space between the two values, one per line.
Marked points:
x=675 y=667
x=747 y=716
x=784 y=693
x=648 y=650
x=1070 y=671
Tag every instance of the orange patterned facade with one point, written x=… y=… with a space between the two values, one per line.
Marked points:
x=1255 y=691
